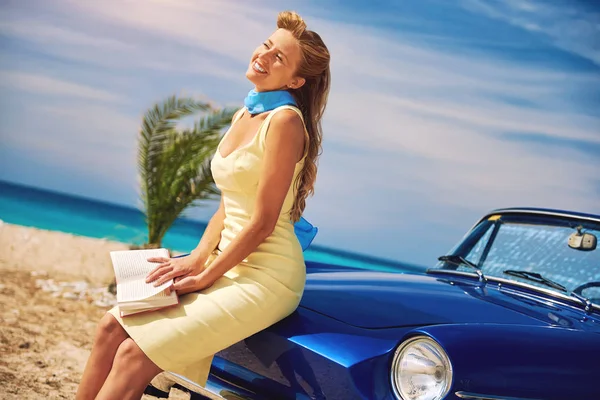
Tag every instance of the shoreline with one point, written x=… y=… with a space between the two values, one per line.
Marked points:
x=62 y=255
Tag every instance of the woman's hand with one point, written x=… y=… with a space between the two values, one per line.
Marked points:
x=171 y=268
x=188 y=284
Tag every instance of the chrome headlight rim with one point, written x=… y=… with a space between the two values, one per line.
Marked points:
x=403 y=346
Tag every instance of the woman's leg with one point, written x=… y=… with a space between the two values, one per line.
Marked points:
x=109 y=336
x=130 y=374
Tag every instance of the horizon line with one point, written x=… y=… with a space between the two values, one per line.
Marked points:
x=186 y=220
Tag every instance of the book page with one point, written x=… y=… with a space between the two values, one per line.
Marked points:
x=140 y=290
x=158 y=300
x=130 y=265
x=131 y=268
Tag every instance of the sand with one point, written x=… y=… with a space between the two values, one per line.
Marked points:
x=46 y=339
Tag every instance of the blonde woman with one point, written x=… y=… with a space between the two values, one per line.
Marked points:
x=247 y=271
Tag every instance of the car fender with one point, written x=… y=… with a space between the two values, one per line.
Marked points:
x=519 y=361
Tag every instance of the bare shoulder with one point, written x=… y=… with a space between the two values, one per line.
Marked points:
x=287 y=122
x=287 y=116
x=236 y=114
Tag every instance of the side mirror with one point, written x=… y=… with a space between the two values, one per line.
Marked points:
x=582 y=241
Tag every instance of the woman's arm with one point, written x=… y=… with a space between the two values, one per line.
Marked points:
x=193 y=264
x=284 y=148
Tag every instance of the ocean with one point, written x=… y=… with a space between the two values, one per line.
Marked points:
x=44 y=209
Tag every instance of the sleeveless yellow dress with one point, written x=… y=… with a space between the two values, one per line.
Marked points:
x=263 y=289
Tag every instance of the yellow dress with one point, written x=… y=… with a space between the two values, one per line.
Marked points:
x=263 y=289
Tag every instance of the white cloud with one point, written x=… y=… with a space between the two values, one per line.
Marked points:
x=76 y=134
x=229 y=29
x=568 y=26
x=50 y=34
x=95 y=126
x=118 y=49
x=42 y=84
x=89 y=139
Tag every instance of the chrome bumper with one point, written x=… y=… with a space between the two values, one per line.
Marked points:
x=215 y=389
x=479 y=396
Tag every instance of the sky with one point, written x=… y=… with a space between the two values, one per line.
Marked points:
x=439 y=111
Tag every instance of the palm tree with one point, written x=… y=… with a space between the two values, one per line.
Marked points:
x=173 y=163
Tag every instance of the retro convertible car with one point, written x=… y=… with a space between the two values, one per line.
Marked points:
x=511 y=312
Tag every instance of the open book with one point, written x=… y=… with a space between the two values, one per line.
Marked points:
x=134 y=295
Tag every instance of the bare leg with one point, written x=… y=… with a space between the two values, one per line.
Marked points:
x=131 y=372
x=109 y=336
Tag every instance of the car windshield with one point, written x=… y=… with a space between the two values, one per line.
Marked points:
x=540 y=247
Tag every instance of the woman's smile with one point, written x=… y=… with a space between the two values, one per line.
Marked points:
x=258 y=68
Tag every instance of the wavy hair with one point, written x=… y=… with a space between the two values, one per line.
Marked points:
x=311 y=99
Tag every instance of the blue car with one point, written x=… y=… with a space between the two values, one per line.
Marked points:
x=511 y=312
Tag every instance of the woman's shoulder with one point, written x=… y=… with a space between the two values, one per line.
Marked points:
x=238 y=114
x=288 y=120
x=286 y=115
x=285 y=128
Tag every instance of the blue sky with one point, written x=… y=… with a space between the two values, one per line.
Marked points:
x=439 y=110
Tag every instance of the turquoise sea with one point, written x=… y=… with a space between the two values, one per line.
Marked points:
x=28 y=206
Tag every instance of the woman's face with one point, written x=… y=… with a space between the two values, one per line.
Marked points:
x=274 y=63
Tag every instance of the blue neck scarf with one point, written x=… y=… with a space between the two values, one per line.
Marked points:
x=260 y=102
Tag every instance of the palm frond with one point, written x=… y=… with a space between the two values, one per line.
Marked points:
x=156 y=125
x=174 y=165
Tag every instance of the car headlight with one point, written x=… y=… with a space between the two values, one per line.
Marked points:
x=421 y=370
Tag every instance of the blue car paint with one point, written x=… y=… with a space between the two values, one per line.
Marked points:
x=502 y=339
x=352 y=354
x=372 y=299
x=318 y=344
x=524 y=361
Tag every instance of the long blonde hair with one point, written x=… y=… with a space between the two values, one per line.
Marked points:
x=311 y=98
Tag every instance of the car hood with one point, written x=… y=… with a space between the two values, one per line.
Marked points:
x=373 y=299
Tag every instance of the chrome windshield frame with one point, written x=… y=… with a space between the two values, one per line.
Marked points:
x=491 y=278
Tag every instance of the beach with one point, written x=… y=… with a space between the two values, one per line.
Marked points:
x=51 y=297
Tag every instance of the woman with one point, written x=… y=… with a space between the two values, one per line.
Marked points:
x=248 y=271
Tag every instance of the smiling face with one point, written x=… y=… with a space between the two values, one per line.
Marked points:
x=274 y=63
